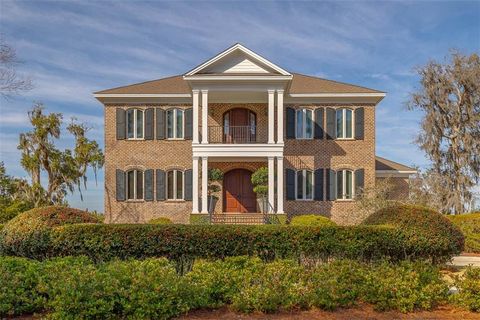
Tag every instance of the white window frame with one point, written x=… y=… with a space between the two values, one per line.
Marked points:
x=174 y=190
x=344 y=124
x=304 y=123
x=135 y=111
x=174 y=124
x=342 y=197
x=134 y=185
x=304 y=186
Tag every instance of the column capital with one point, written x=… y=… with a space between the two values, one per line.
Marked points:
x=280 y=91
x=271 y=91
x=204 y=91
x=196 y=158
x=204 y=158
x=195 y=91
x=271 y=158
x=280 y=158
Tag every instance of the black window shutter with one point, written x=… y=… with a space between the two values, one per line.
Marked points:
x=319 y=185
x=319 y=115
x=160 y=184
x=188 y=185
x=330 y=123
x=149 y=123
x=359 y=123
x=359 y=181
x=148 y=185
x=331 y=185
x=290 y=184
x=160 y=123
x=188 y=124
x=120 y=185
x=290 y=123
x=121 y=124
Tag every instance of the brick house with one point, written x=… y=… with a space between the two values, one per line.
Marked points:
x=239 y=112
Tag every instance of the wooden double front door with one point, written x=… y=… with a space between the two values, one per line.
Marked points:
x=238 y=195
x=239 y=126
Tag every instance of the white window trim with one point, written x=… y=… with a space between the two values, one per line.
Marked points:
x=135 y=110
x=304 y=133
x=175 y=185
x=135 y=184
x=344 y=185
x=344 y=124
x=174 y=124
x=304 y=186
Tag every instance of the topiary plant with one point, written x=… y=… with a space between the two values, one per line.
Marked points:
x=32 y=228
x=311 y=220
x=215 y=176
x=425 y=229
x=260 y=187
x=161 y=220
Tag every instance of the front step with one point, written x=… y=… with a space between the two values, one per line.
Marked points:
x=238 y=218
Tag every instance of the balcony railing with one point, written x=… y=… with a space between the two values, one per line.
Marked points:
x=237 y=134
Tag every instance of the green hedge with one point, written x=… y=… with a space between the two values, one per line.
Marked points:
x=311 y=220
x=425 y=230
x=76 y=288
x=469 y=223
x=104 y=242
x=160 y=220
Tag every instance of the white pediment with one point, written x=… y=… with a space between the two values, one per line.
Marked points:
x=237 y=60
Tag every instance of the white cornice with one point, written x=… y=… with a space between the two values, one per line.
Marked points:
x=244 y=50
x=337 y=95
x=142 y=95
x=233 y=77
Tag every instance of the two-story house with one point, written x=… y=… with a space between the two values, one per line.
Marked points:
x=238 y=112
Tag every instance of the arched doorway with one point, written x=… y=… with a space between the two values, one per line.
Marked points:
x=238 y=195
x=239 y=126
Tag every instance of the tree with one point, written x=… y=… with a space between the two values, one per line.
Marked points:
x=10 y=204
x=450 y=99
x=10 y=82
x=371 y=199
x=65 y=170
x=427 y=188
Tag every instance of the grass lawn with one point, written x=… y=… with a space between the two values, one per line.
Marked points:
x=469 y=223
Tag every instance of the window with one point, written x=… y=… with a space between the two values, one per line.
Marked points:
x=344 y=123
x=175 y=181
x=304 y=124
x=134 y=185
x=175 y=124
x=344 y=184
x=135 y=120
x=304 y=185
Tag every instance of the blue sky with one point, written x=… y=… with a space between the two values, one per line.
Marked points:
x=72 y=49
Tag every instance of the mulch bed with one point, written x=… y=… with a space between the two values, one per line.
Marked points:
x=361 y=313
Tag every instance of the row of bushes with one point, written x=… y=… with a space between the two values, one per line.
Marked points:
x=76 y=288
x=469 y=223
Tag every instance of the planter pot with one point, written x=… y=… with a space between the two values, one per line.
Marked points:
x=212 y=203
x=262 y=204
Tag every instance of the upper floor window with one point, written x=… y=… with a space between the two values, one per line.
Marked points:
x=344 y=184
x=344 y=123
x=175 y=185
x=135 y=120
x=134 y=185
x=304 y=124
x=304 y=185
x=175 y=124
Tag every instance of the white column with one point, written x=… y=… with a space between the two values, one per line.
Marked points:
x=271 y=183
x=280 y=185
x=204 y=184
x=195 y=194
x=204 y=116
x=196 y=97
x=279 y=116
x=271 y=115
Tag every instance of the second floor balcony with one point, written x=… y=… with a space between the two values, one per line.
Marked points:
x=246 y=134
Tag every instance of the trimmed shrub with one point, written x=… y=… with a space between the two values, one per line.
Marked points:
x=468 y=285
x=427 y=232
x=202 y=219
x=29 y=232
x=9 y=212
x=160 y=220
x=183 y=242
x=311 y=220
x=469 y=223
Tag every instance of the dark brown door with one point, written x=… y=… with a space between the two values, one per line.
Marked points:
x=239 y=126
x=238 y=195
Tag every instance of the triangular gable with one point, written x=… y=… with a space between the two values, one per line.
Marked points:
x=237 y=60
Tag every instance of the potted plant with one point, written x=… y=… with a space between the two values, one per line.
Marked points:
x=260 y=187
x=214 y=177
